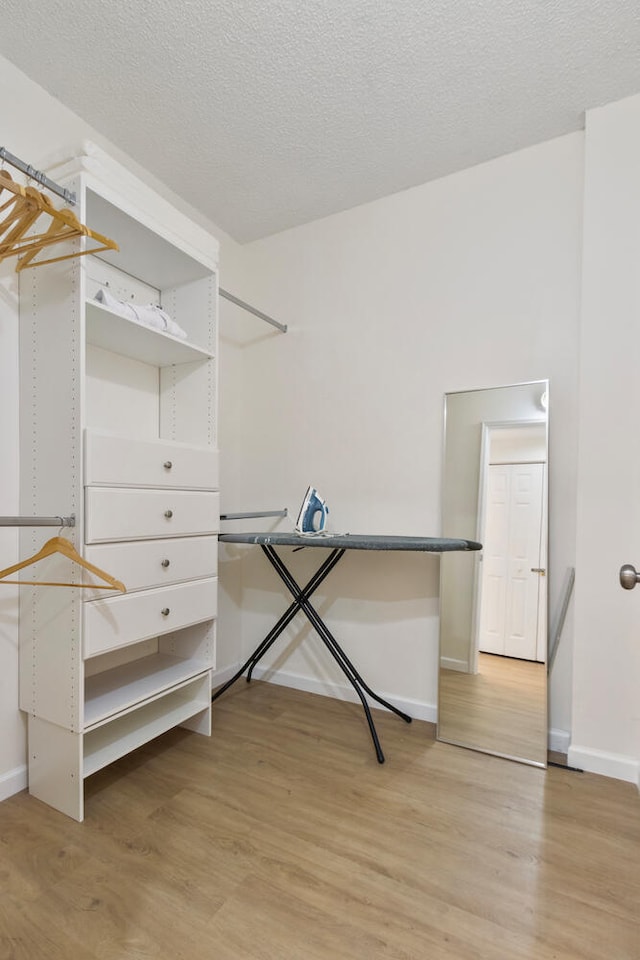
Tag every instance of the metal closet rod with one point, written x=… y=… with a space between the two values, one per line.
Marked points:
x=37 y=175
x=259 y=513
x=247 y=306
x=38 y=521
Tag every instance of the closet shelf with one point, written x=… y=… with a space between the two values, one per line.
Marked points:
x=111 y=331
x=122 y=688
x=180 y=705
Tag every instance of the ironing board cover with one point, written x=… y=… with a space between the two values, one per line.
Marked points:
x=353 y=541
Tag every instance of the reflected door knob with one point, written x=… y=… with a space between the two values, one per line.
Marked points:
x=629 y=576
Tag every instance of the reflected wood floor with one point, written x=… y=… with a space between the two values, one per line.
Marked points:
x=502 y=708
x=282 y=838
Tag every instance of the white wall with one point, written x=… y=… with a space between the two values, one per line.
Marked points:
x=519 y=445
x=606 y=699
x=470 y=281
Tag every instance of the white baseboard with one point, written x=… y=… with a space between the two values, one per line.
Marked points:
x=448 y=663
x=414 y=708
x=13 y=781
x=616 y=765
x=220 y=677
x=559 y=740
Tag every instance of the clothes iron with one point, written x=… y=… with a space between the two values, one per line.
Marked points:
x=312 y=517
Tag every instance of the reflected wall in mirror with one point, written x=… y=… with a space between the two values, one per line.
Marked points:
x=492 y=689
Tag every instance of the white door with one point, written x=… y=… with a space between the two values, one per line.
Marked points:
x=511 y=583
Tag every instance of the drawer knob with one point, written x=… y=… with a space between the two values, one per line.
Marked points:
x=165 y=562
x=167 y=464
x=165 y=611
x=168 y=514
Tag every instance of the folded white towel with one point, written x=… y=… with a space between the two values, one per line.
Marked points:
x=149 y=314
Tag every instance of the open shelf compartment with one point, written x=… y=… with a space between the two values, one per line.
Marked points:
x=123 y=687
x=108 y=742
x=129 y=338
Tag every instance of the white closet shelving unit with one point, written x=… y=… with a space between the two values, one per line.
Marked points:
x=118 y=427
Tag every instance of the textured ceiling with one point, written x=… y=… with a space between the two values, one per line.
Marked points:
x=265 y=114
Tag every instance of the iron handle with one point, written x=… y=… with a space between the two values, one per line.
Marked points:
x=167 y=464
x=165 y=611
x=168 y=514
x=540 y=570
x=165 y=562
x=629 y=576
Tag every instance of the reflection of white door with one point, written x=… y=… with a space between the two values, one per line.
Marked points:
x=511 y=552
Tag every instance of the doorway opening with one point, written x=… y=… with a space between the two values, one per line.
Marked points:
x=511 y=584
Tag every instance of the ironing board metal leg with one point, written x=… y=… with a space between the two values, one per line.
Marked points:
x=332 y=645
x=328 y=640
x=292 y=610
x=281 y=625
x=303 y=600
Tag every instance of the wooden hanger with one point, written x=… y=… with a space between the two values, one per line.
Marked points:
x=65 y=547
x=27 y=205
x=64 y=226
x=24 y=210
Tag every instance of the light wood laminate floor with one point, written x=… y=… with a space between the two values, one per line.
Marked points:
x=282 y=838
x=501 y=709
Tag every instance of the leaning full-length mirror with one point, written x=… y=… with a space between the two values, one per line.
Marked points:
x=492 y=690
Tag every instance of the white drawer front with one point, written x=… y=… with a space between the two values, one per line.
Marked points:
x=114 y=460
x=117 y=513
x=125 y=619
x=152 y=563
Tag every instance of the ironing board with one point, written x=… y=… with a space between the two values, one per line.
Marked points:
x=338 y=544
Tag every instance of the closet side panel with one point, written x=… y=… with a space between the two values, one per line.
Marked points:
x=51 y=385
x=186 y=397
x=55 y=767
x=188 y=391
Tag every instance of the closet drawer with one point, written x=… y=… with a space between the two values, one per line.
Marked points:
x=151 y=563
x=119 y=621
x=117 y=513
x=113 y=460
